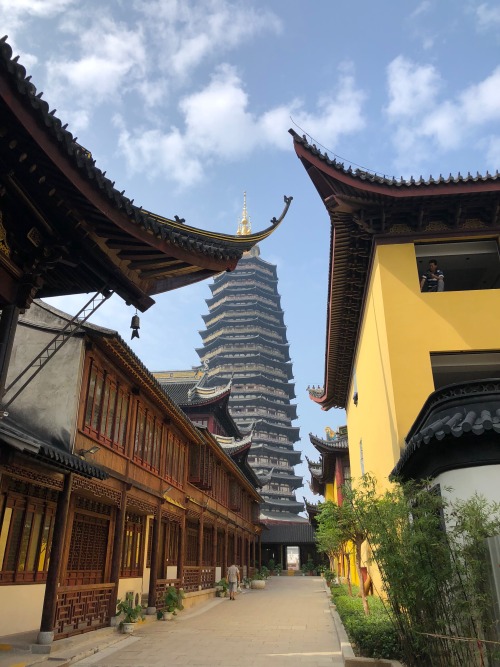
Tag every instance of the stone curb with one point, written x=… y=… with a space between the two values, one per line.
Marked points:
x=350 y=660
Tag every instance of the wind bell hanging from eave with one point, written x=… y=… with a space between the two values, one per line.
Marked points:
x=135 y=325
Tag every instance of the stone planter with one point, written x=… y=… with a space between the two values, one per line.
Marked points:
x=127 y=628
x=258 y=583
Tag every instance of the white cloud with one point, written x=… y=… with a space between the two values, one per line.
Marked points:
x=190 y=32
x=412 y=88
x=425 y=124
x=113 y=57
x=487 y=16
x=481 y=102
x=218 y=125
x=493 y=152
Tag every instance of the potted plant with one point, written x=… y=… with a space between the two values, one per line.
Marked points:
x=246 y=582
x=131 y=613
x=259 y=579
x=278 y=569
x=271 y=564
x=172 y=603
x=221 y=588
x=304 y=569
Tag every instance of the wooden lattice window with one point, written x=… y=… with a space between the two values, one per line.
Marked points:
x=147 y=441
x=221 y=545
x=235 y=493
x=201 y=466
x=208 y=545
x=106 y=408
x=26 y=527
x=133 y=546
x=149 y=549
x=191 y=544
x=87 y=550
x=173 y=536
x=175 y=454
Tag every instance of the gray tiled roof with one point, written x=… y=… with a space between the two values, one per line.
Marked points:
x=290 y=532
x=453 y=411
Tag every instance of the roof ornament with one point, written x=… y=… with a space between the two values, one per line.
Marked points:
x=244 y=226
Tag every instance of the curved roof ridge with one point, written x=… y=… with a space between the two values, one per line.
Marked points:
x=376 y=177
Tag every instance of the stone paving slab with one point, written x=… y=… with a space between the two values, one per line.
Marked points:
x=288 y=624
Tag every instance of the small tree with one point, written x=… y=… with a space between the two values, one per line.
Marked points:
x=329 y=537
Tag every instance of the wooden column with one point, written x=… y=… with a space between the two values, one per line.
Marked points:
x=8 y=325
x=182 y=550
x=59 y=538
x=226 y=540
x=200 y=541
x=153 y=572
x=116 y=558
x=260 y=552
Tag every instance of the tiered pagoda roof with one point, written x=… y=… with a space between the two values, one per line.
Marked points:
x=332 y=449
x=245 y=340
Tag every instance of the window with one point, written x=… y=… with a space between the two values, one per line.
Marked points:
x=147 y=441
x=133 y=546
x=106 y=408
x=467 y=265
x=25 y=537
x=449 y=368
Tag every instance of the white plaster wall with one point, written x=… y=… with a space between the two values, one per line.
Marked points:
x=465 y=482
x=49 y=404
x=171 y=571
x=22 y=608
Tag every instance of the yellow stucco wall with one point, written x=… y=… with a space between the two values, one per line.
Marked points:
x=331 y=491
x=399 y=329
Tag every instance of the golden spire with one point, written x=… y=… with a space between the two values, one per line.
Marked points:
x=244 y=226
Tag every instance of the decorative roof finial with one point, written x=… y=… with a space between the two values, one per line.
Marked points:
x=244 y=227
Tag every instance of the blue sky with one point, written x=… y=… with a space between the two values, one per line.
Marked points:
x=186 y=104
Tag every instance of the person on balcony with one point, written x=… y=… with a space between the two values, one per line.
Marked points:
x=433 y=279
x=233 y=579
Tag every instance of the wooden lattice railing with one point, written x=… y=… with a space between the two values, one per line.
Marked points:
x=161 y=587
x=198 y=578
x=82 y=608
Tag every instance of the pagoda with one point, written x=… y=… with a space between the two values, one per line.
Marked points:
x=245 y=343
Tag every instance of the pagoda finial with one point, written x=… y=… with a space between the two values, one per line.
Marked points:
x=244 y=226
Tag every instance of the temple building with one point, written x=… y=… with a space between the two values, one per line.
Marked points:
x=413 y=356
x=328 y=476
x=245 y=345
x=95 y=460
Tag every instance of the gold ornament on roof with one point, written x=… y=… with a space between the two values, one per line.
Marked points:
x=244 y=226
x=330 y=433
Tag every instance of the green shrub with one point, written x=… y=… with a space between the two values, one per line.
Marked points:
x=374 y=636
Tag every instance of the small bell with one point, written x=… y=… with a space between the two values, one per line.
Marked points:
x=135 y=325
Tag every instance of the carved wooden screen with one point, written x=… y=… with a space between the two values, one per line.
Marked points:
x=87 y=550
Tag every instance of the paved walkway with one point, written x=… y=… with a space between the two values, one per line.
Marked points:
x=288 y=624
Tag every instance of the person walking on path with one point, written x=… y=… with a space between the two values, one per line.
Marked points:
x=233 y=579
